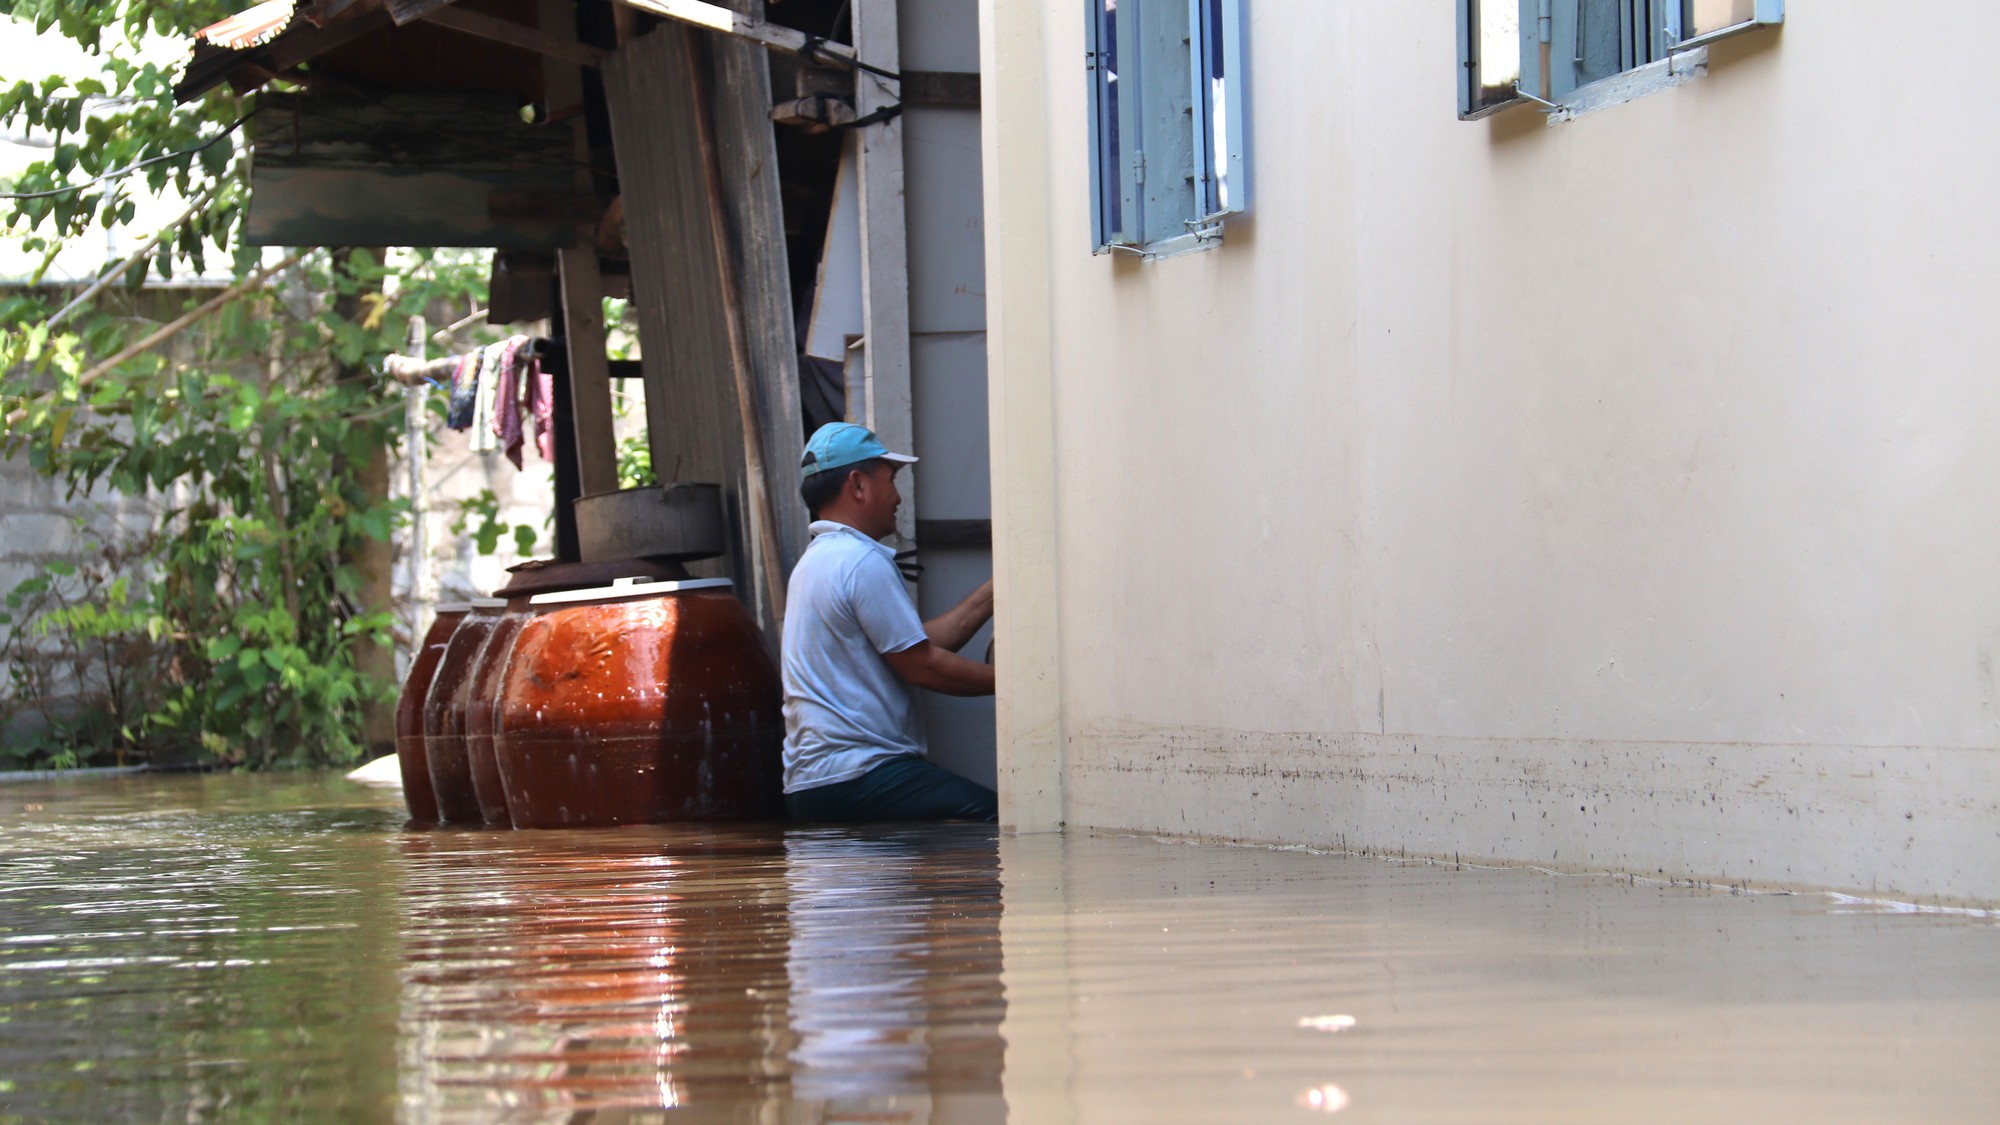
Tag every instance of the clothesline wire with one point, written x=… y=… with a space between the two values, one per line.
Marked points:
x=128 y=169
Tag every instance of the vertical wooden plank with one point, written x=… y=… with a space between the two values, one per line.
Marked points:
x=582 y=288
x=885 y=268
x=691 y=402
x=753 y=201
x=589 y=370
x=756 y=492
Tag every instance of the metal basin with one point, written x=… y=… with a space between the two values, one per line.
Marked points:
x=678 y=521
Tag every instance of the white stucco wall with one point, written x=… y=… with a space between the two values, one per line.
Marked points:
x=1615 y=495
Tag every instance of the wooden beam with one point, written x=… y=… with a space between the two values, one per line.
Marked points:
x=409 y=11
x=582 y=288
x=483 y=26
x=715 y=17
x=885 y=259
x=510 y=207
x=308 y=43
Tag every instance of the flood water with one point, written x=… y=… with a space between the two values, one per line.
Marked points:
x=272 y=948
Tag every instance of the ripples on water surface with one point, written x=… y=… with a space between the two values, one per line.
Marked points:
x=232 y=948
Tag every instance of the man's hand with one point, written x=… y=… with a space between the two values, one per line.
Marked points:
x=955 y=626
x=928 y=666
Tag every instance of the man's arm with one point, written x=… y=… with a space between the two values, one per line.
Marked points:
x=952 y=628
x=929 y=666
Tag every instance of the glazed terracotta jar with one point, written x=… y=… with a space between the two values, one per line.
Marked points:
x=444 y=715
x=642 y=701
x=482 y=695
x=410 y=755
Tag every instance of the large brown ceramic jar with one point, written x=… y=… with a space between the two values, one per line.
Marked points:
x=410 y=755
x=643 y=701
x=480 y=703
x=482 y=697
x=444 y=715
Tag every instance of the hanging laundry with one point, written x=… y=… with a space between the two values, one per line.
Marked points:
x=495 y=391
x=507 y=399
x=483 y=430
x=542 y=408
x=464 y=385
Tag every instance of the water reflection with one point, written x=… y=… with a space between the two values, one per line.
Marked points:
x=193 y=949
x=272 y=949
x=894 y=969
x=721 y=973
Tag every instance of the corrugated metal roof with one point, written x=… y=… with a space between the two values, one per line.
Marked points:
x=252 y=27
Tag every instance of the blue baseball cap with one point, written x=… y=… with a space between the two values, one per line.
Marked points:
x=837 y=445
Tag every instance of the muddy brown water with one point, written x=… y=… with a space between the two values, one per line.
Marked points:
x=271 y=948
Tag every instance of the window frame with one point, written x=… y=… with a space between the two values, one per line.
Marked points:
x=1674 y=16
x=1221 y=180
x=1766 y=13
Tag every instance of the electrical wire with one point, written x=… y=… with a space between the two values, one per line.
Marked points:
x=128 y=169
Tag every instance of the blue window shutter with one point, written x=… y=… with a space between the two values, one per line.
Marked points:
x=1496 y=38
x=1137 y=107
x=1202 y=39
x=1221 y=138
x=1234 y=162
x=1100 y=60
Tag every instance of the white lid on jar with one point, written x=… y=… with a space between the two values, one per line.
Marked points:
x=453 y=607
x=629 y=588
x=489 y=603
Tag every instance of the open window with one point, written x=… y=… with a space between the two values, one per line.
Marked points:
x=1519 y=52
x=1168 y=143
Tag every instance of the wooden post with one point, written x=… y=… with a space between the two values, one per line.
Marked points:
x=885 y=260
x=582 y=288
x=416 y=424
x=758 y=483
x=694 y=403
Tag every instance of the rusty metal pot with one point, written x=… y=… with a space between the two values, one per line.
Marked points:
x=639 y=702
x=682 y=521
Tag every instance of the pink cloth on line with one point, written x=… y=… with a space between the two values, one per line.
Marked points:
x=542 y=407
x=507 y=401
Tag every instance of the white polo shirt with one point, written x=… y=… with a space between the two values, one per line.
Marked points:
x=846 y=710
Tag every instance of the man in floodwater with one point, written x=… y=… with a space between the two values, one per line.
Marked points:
x=855 y=652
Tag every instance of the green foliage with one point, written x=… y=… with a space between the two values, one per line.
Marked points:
x=481 y=515
x=635 y=463
x=245 y=594
x=635 y=453
x=124 y=115
x=234 y=629
x=82 y=620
